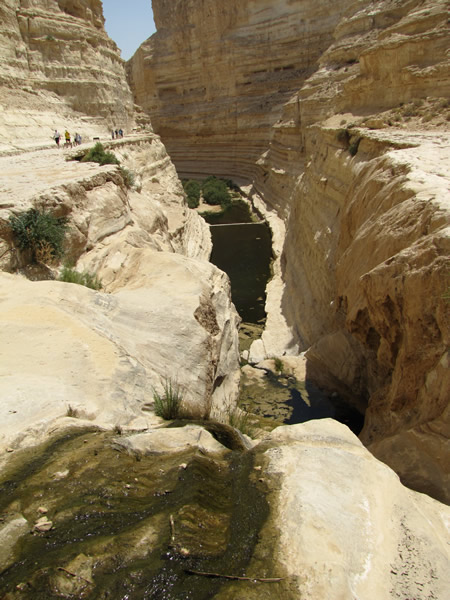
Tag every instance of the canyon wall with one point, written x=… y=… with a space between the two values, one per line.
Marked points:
x=59 y=69
x=341 y=125
x=214 y=76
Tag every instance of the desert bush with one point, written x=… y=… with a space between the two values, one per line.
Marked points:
x=353 y=148
x=239 y=419
x=215 y=192
x=168 y=404
x=87 y=279
x=127 y=176
x=98 y=155
x=343 y=136
x=40 y=232
x=278 y=364
x=193 y=190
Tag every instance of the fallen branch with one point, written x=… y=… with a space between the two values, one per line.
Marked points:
x=172 y=528
x=259 y=579
x=75 y=575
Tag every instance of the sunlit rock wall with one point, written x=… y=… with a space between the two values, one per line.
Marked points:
x=215 y=75
x=277 y=93
x=59 y=68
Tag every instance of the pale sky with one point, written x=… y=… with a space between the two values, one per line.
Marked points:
x=128 y=23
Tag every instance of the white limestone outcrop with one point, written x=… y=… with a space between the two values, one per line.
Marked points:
x=347 y=527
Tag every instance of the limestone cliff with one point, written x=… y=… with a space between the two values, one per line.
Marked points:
x=215 y=75
x=58 y=69
x=341 y=124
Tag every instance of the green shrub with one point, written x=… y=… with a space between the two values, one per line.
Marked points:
x=215 y=192
x=193 y=190
x=128 y=177
x=343 y=136
x=168 y=404
x=40 y=232
x=239 y=419
x=279 y=366
x=353 y=148
x=87 y=279
x=97 y=154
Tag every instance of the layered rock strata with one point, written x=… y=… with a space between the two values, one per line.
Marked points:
x=59 y=69
x=214 y=76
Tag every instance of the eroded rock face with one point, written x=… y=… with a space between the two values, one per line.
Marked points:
x=58 y=69
x=71 y=352
x=164 y=313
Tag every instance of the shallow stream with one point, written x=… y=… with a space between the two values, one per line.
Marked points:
x=128 y=527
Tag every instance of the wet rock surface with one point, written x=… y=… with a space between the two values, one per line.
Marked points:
x=122 y=524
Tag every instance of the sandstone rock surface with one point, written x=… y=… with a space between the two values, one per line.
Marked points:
x=164 y=441
x=164 y=312
x=215 y=75
x=70 y=351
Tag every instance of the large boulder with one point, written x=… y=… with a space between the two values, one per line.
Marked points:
x=347 y=527
x=70 y=351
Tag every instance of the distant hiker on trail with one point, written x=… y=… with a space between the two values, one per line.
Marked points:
x=112 y=134
x=57 y=137
x=117 y=133
x=77 y=139
x=67 y=136
x=120 y=133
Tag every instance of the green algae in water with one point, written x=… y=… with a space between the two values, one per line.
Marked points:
x=112 y=536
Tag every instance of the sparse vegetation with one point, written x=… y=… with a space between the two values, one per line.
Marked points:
x=85 y=278
x=193 y=190
x=279 y=366
x=50 y=38
x=168 y=404
x=343 y=136
x=40 y=232
x=239 y=419
x=353 y=148
x=72 y=412
x=215 y=192
x=98 y=155
x=127 y=176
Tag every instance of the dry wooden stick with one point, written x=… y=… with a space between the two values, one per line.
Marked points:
x=172 y=528
x=261 y=580
x=75 y=575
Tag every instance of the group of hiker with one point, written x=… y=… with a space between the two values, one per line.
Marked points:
x=76 y=141
x=68 y=143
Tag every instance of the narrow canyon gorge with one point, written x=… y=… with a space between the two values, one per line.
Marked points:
x=333 y=120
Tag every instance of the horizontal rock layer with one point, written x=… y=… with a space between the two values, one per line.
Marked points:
x=59 y=69
x=214 y=76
